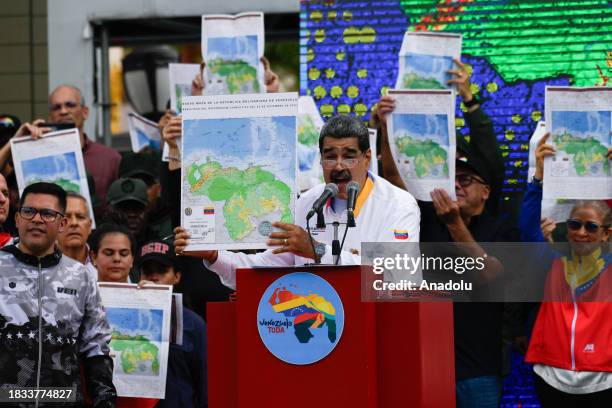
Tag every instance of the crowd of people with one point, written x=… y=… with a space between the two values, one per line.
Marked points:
x=54 y=332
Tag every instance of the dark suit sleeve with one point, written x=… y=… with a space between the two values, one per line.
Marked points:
x=99 y=380
x=171 y=193
x=484 y=144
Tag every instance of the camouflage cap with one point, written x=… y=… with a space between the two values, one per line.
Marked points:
x=126 y=189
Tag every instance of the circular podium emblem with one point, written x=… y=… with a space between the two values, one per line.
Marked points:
x=300 y=318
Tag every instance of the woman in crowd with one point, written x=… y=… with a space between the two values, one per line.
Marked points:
x=570 y=343
x=112 y=252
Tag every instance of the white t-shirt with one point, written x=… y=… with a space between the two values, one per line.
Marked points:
x=574 y=382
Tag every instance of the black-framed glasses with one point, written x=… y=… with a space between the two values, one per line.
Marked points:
x=466 y=180
x=590 y=226
x=46 y=214
x=68 y=105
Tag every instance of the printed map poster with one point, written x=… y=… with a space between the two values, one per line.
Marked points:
x=556 y=209
x=232 y=46
x=580 y=123
x=181 y=77
x=422 y=137
x=143 y=133
x=425 y=58
x=55 y=158
x=140 y=326
x=239 y=171
x=308 y=129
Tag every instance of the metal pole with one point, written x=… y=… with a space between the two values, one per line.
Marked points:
x=106 y=102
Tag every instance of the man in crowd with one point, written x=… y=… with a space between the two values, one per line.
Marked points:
x=186 y=379
x=146 y=167
x=469 y=220
x=73 y=239
x=345 y=151
x=51 y=315
x=67 y=105
x=127 y=203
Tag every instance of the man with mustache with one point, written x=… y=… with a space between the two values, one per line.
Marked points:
x=53 y=319
x=73 y=239
x=345 y=156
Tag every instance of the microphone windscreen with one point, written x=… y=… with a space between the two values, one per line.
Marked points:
x=352 y=185
x=333 y=188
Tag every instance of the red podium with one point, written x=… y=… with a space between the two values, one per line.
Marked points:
x=390 y=355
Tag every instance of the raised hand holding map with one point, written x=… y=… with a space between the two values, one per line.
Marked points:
x=422 y=138
x=232 y=47
x=55 y=158
x=239 y=168
x=580 y=123
x=425 y=58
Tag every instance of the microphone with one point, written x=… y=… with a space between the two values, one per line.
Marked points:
x=331 y=190
x=351 y=190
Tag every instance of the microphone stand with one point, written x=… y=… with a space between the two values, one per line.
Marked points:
x=320 y=224
x=350 y=223
x=336 y=249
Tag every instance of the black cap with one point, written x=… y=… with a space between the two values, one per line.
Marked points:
x=138 y=165
x=158 y=251
x=468 y=160
x=474 y=165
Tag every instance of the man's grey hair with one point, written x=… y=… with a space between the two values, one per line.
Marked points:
x=73 y=194
x=74 y=88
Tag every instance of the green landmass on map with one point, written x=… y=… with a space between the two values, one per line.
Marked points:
x=426 y=153
x=236 y=73
x=67 y=185
x=307 y=131
x=247 y=194
x=134 y=350
x=413 y=81
x=586 y=151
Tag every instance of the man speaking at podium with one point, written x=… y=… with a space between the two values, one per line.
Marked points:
x=382 y=212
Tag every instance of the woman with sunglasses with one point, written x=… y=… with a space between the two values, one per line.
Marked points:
x=571 y=342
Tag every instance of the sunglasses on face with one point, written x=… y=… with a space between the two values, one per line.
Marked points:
x=46 y=214
x=590 y=226
x=465 y=180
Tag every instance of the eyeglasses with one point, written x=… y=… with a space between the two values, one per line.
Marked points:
x=590 y=226
x=466 y=180
x=347 y=163
x=46 y=214
x=68 y=105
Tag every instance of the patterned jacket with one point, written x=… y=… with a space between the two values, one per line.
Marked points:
x=51 y=322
